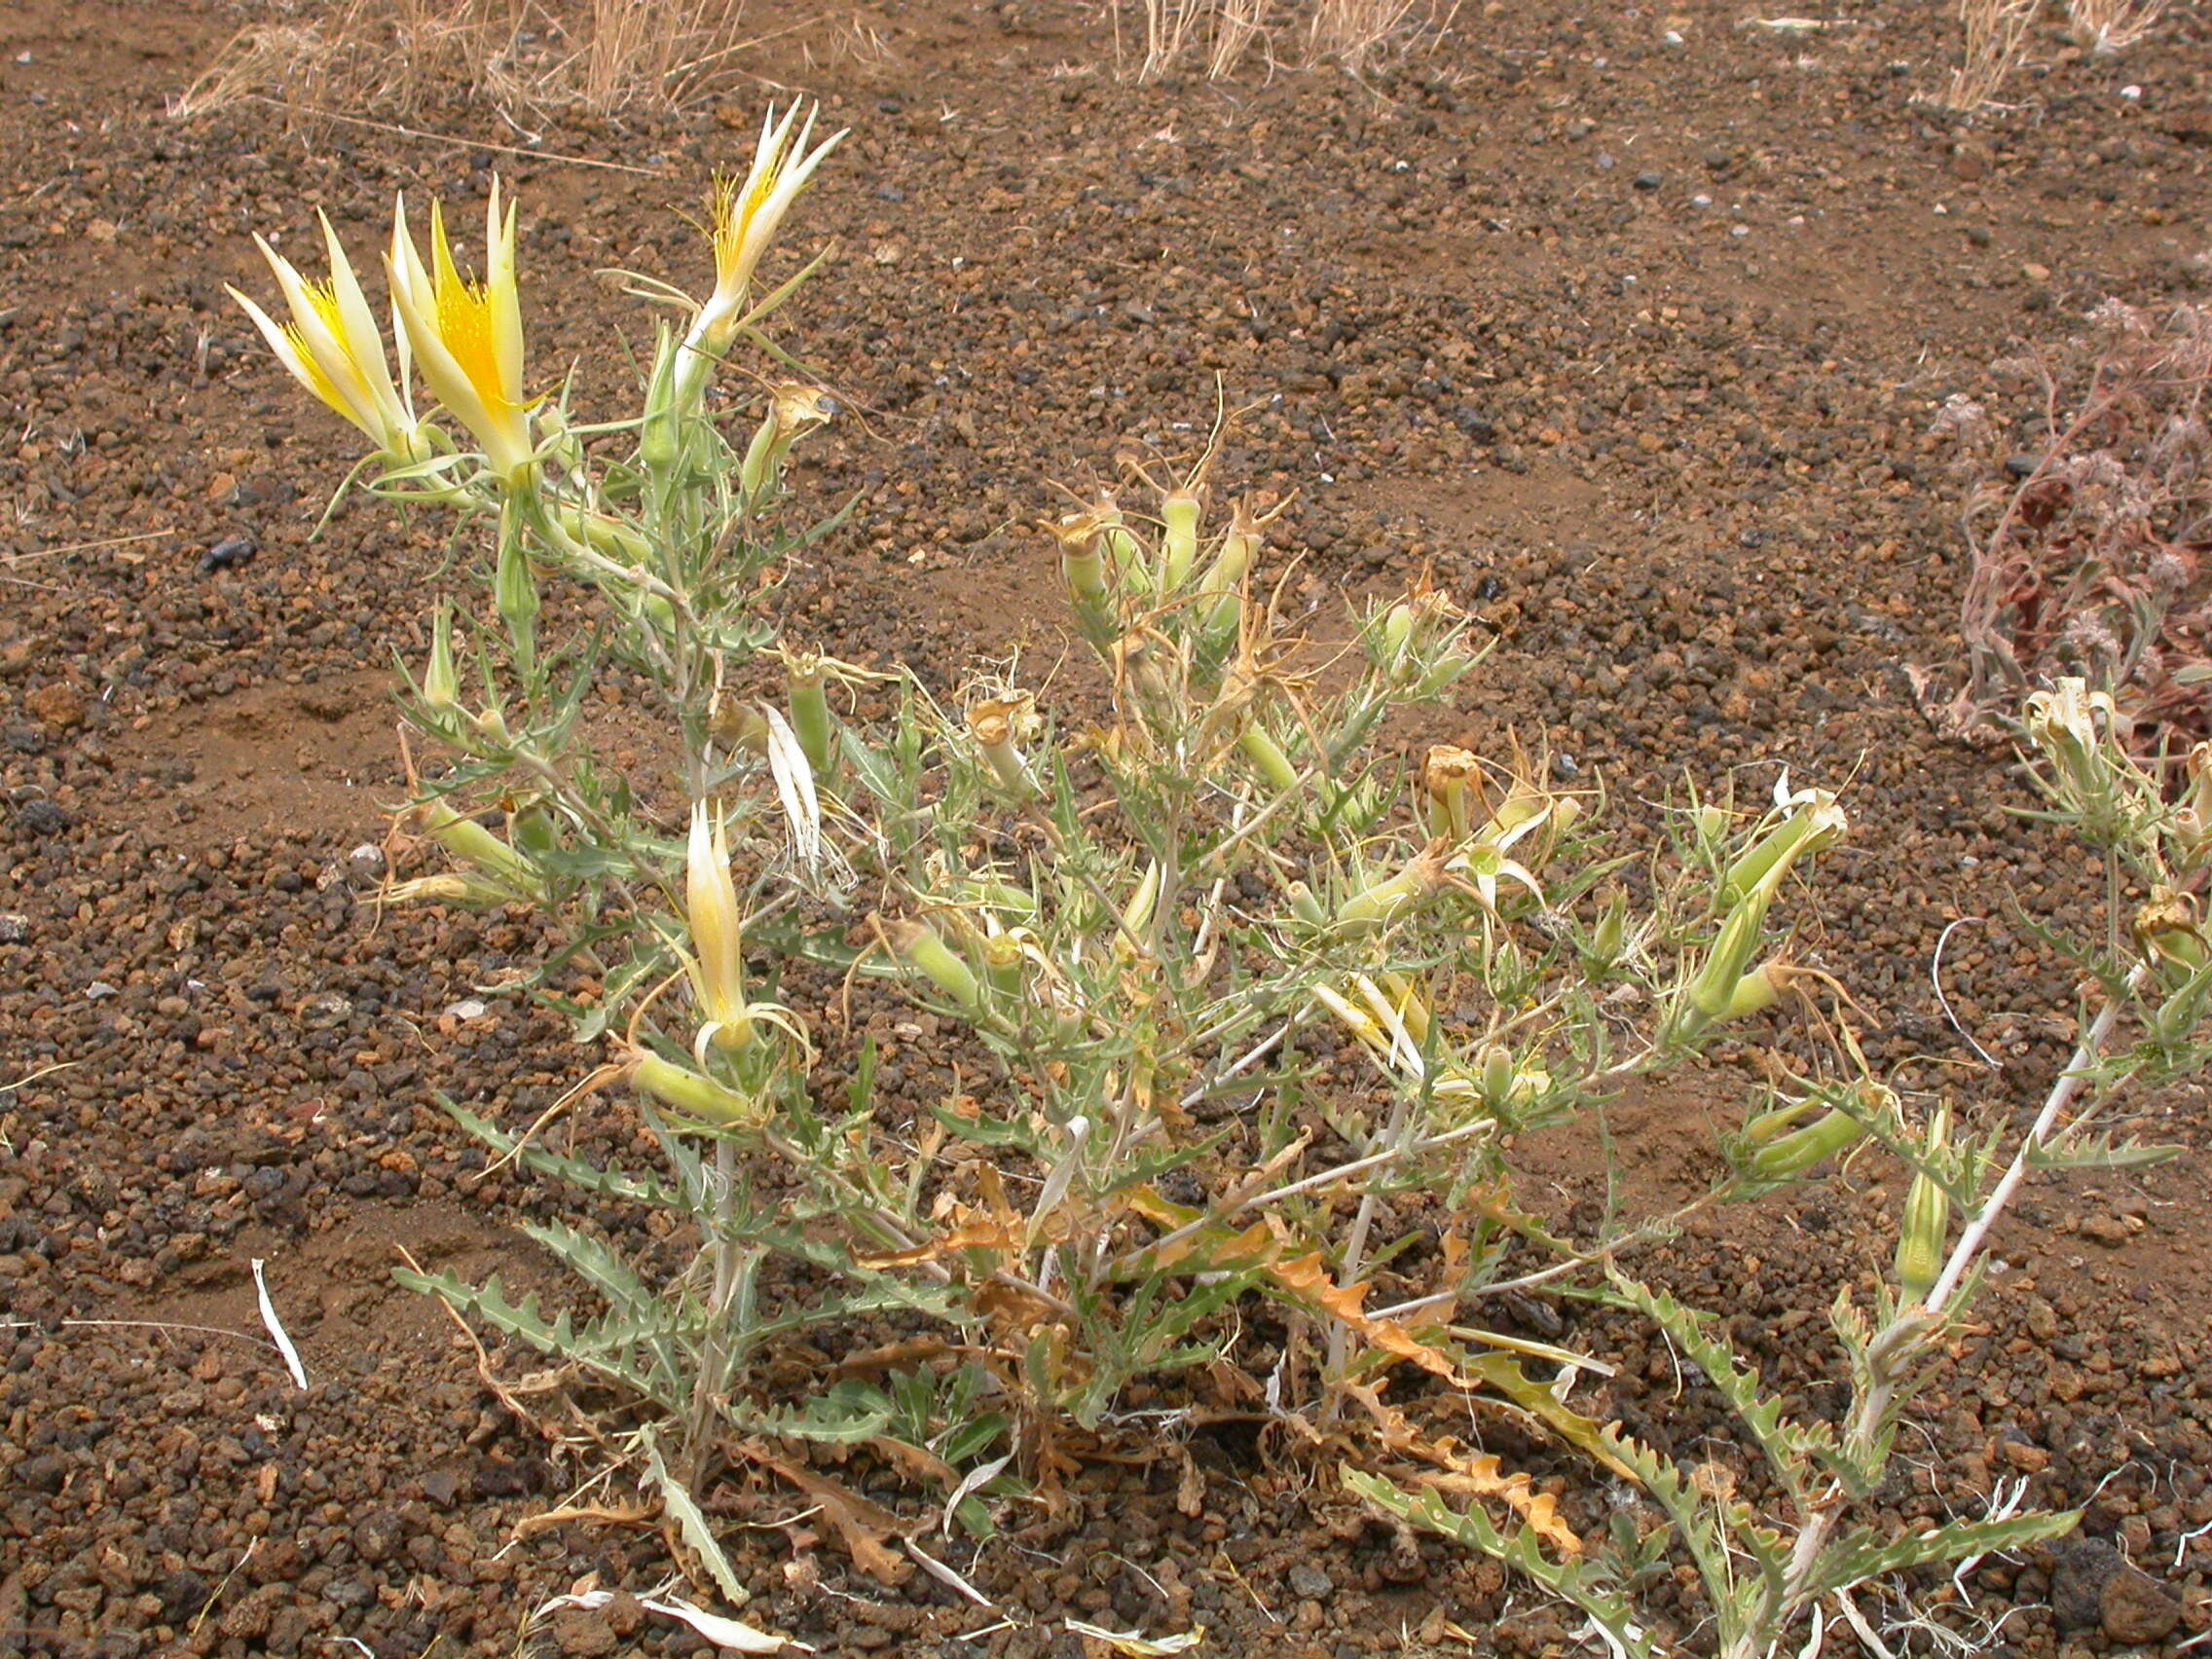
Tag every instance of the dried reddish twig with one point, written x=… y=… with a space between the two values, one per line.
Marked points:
x=2086 y=543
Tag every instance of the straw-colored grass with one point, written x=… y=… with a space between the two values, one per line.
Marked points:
x=1218 y=37
x=392 y=56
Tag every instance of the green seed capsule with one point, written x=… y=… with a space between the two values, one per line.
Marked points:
x=695 y=1096
x=810 y=713
x=921 y=949
x=1179 y=549
x=1268 y=760
x=1926 y=1221
x=1801 y=1149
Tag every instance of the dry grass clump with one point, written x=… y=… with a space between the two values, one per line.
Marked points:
x=1996 y=31
x=2107 y=27
x=2088 y=533
x=1217 y=36
x=392 y=56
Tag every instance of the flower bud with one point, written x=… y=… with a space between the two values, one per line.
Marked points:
x=514 y=590
x=1609 y=937
x=1267 y=758
x=713 y=914
x=1712 y=823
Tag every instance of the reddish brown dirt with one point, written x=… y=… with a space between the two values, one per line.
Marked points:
x=1631 y=326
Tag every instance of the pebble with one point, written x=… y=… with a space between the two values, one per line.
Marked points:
x=42 y=816
x=1309 y=1581
x=230 y=551
x=15 y=928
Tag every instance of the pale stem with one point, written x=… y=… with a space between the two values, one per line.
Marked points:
x=1890 y=1352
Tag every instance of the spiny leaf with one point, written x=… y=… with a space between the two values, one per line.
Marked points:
x=1584 y=1585
x=1861 y=1555
x=597 y=1265
x=608 y=1183
x=698 y=1536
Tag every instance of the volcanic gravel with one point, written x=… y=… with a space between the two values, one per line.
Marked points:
x=1629 y=326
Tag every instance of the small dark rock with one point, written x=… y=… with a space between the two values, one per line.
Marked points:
x=42 y=816
x=1648 y=180
x=1310 y=1582
x=441 y=1486
x=230 y=551
x=2078 y=1581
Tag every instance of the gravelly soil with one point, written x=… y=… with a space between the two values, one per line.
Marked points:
x=1631 y=326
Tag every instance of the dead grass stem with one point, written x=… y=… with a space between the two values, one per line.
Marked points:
x=522 y=56
x=1996 y=31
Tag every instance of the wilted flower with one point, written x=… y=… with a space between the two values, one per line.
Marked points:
x=334 y=348
x=468 y=336
x=794 y=409
x=717 y=953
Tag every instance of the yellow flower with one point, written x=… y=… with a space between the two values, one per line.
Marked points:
x=334 y=348
x=717 y=953
x=742 y=216
x=468 y=336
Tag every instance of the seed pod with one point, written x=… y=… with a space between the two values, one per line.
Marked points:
x=810 y=710
x=473 y=844
x=1927 y=1217
x=1453 y=779
x=1801 y=1149
x=1382 y=901
x=1304 y=905
x=1179 y=542
x=1267 y=758
x=693 y=1094
x=921 y=948
x=991 y=725
x=1714 y=991
x=441 y=691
